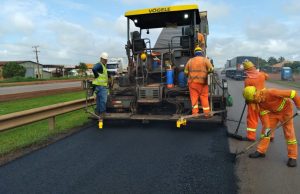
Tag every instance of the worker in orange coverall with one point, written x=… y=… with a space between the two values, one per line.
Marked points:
x=275 y=106
x=257 y=79
x=201 y=41
x=197 y=70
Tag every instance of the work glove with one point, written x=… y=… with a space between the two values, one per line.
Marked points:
x=267 y=132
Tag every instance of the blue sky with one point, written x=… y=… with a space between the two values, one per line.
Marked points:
x=69 y=32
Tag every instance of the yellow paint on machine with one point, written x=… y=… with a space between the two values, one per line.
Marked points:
x=161 y=9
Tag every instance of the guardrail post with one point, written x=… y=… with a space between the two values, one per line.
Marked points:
x=51 y=122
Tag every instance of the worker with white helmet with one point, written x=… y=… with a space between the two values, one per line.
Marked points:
x=101 y=83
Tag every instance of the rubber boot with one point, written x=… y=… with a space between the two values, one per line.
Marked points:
x=292 y=162
x=257 y=154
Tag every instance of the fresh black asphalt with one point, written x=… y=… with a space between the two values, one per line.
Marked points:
x=128 y=157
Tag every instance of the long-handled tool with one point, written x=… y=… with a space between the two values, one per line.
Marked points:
x=235 y=135
x=237 y=154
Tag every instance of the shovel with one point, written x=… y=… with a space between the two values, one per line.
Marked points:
x=235 y=135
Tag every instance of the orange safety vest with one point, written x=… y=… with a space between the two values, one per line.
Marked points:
x=276 y=100
x=258 y=82
x=197 y=69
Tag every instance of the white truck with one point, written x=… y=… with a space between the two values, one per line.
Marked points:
x=115 y=66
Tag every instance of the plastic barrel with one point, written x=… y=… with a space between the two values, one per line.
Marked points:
x=182 y=81
x=154 y=64
x=170 y=81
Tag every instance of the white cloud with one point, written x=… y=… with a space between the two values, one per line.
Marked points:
x=3 y=52
x=72 y=5
x=144 y=3
x=21 y=16
x=22 y=22
x=63 y=40
x=292 y=7
x=265 y=29
x=215 y=10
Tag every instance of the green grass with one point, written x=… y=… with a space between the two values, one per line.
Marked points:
x=25 y=104
x=34 y=133
x=20 y=79
x=286 y=83
x=31 y=79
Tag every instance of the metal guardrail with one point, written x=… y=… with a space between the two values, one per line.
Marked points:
x=17 y=119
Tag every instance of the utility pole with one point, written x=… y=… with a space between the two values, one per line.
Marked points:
x=37 y=59
x=258 y=67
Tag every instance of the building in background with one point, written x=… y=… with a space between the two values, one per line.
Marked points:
x=1 y=74
x=33 y=69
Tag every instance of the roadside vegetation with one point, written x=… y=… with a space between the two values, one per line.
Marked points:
x=31 y=79
x=286 y=83
x=30 y=103
x=35 y=133
x=24 y=136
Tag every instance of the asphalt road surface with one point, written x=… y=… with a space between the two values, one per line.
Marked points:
x=38 y=87
x=128 y=158
x=264 y=175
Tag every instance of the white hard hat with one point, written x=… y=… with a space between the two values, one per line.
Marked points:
x=104 y=55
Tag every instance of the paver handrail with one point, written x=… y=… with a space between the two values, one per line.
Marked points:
x=16 y=119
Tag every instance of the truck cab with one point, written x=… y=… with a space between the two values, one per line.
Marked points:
x=114 y=66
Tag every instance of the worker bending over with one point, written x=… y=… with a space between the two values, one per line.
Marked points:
x=256 y=79
x=275 y=106
x=197 y=69
x=101 y=82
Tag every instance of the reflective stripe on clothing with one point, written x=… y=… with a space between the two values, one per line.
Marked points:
x=262 y=136
x=198 y=70
x=291 y=142
x=281 y=105
x=251 y=129
x=262 y=113
x=197 y=77
x=293 y=94
x=196 y=106
x=205 y=108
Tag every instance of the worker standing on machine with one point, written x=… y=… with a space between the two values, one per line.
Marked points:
x=101 y=83
x=275 y=106
x=256 y=79
x=197 y=70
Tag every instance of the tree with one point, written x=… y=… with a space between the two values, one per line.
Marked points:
x=261 y=62
x=12 y=69
x=272 y=61
x=82 y=69
x=295 y=66
x=281 y=59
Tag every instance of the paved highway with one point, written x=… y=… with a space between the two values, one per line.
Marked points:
x=38 y=87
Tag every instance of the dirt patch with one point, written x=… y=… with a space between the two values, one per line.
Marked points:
x=10 y=97
x=6 y=158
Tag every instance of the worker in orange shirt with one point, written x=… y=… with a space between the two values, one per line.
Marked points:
x=257 y=79
x=275 y=106
x=201 y=41
x=197 y=69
